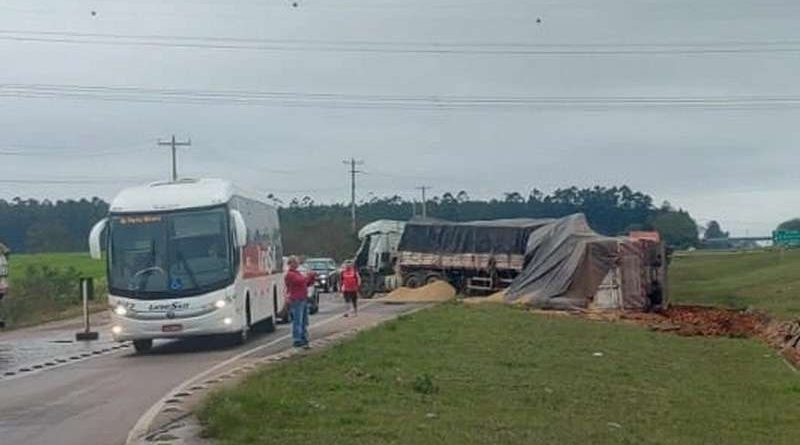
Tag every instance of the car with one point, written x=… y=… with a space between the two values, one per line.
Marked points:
x=327 y=273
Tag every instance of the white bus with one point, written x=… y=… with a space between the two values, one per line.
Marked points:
x=187 y=258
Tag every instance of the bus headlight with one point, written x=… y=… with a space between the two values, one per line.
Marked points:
x=116 y=329
x=220 y=304
x=120 y=310
x=227 y=320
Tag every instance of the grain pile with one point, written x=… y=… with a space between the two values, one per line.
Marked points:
x=436 y=292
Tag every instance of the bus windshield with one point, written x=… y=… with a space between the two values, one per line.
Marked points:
x=167 y=255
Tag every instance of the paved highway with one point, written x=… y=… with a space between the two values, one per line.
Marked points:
x=97 y=399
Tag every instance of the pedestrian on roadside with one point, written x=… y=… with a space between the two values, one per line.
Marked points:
x=297 y=298
x=351 y=282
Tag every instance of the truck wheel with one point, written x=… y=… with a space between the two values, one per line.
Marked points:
x=413 y=281
x=143 y=346
x=432 y=278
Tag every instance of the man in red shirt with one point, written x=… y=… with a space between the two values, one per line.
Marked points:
x=297 y=298
x=351 y=282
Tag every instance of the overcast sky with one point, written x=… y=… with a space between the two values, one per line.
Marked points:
x=724 y=158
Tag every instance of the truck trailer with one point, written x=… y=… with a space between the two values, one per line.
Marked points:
x=476 y=257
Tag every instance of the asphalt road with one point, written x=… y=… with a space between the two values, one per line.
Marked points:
x=98 y=399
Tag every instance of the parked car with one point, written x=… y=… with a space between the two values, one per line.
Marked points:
x=327 y=273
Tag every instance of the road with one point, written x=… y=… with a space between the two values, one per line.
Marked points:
x=99 y=398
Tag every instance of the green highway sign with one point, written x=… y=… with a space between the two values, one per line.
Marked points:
x=786 y=237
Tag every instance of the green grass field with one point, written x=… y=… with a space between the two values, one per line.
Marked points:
x=81 y=261
x=492 y=374
x=44 y=287
x=767 y=279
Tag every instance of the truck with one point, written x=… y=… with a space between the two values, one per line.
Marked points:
x=376 y=256
x=190 y=257
x=476 y=257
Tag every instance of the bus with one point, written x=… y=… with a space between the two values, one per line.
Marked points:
x=188 y=258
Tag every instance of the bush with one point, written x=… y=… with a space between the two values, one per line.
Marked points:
x=42 y=293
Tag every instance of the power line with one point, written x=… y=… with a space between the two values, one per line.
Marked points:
x=410 y=47
x=406 y=102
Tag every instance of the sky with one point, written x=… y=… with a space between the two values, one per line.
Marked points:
x=696 y=103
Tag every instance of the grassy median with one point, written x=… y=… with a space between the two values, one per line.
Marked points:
x=494 y=374
x=763 y=279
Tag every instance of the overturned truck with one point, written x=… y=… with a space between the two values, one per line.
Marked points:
x=569 y=266
x=475 y=257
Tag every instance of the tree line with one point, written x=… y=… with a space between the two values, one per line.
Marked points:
x=325 y=229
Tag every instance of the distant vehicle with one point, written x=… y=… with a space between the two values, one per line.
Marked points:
x=3 y=275
x=3 y=271
x=375 y=259
x=188 y=258
x=327 y=273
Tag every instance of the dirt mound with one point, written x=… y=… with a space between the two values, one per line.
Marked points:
x=704 y=321
x=785 y=336
x=497 y=297
x=435 y=292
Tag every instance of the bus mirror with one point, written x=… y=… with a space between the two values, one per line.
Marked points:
x=240 y=229
x=95 y=250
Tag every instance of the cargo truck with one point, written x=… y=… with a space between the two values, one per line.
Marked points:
x=476 y=257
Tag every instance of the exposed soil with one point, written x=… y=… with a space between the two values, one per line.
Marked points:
x=704 y=321
x=711 y=321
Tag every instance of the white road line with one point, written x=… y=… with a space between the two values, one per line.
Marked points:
x=140 y=430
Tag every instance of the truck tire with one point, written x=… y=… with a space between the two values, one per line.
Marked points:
x=432 y=277
x=414 y=280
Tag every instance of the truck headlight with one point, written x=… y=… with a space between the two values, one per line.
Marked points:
x=220 y=304
x=120 y=310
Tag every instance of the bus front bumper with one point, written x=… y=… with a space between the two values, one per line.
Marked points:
x=222 y=321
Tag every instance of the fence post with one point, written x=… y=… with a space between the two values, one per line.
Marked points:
x=87 y=290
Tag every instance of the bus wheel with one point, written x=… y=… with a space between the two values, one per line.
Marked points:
x=143 y=346
x=268 y=325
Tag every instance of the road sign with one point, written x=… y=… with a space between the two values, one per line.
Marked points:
x=786 y=238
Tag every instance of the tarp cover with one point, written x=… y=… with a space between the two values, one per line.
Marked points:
x=504 y=236
x=566 y=261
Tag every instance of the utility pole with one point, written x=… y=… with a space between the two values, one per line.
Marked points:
x=424 y=188
x=174 y=144
x=353 y=172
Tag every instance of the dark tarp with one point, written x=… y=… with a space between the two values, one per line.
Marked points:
x=505 y=236
x=565 y=263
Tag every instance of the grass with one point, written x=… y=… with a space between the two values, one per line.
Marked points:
x=764 y=279
x=44 y=287
x=494 y=374
x=85 y=265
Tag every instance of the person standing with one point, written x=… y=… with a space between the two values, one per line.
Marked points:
x=351 y=282
x=297 y=295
